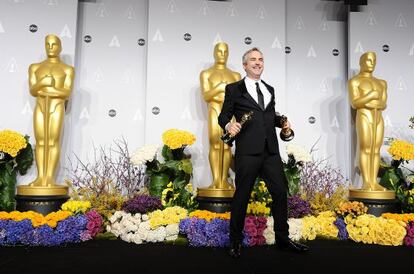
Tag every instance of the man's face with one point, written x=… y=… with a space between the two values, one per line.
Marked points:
x=368 y=63
x=53 y=47
x=254 y=65
x=221 y=53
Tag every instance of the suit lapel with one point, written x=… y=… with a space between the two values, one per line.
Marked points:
x=247 y=95
x=272 y=94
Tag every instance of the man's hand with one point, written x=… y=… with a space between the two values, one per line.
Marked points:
x=233 y=128
x=286 y=125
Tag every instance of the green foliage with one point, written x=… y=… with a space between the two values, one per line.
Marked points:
x=393 y=178
x=9 y=167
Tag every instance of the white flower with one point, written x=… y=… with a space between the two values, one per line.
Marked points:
x=171 y=230
x=295 y=228
x=144 y=217
x=1 y=155
x=299 y=153
x=145 y=225
x=269 y=232
x=136 y=239
x=171 y=238
x=144 y=154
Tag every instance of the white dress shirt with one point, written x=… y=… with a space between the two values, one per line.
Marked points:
x=251 y=88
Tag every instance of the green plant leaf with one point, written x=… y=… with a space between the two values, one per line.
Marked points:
x=158 y=182
x=167 y=153
x=25 y=159
x=187 y=166
x=390 y=179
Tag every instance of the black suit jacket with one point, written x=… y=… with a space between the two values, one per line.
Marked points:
x=252 y=137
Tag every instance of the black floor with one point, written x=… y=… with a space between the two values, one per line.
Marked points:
x=116 y=256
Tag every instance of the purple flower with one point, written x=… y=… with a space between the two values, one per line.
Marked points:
x=202 y=233
x=93 y=226
x=297 y=207
x=409 y=237
x=340 y=224
x=253 y=231
x=142 y=204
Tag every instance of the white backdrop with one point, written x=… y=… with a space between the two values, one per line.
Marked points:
x=137 y=59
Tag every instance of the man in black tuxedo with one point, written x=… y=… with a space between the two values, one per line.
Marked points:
x=257 y=150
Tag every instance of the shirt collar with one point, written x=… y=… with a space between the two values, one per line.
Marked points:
x=251 y=81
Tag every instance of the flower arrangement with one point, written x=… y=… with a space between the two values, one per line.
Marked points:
x=409 y=237
x=406 y=218
x=319 y=226
x=353 y=208
x=208 y=215
x=174 y=138
x=253 y=230
x=298 y=207
x=105 y=203
x=34 y=229
x=175 y=166
x=342 y=232
x=136 y=228
x=16 y=156
x=371 y=230
x=176 y=195
x=36 y=219
x=142 y=204
x=93 y=225
x=76 y=207
x=297 y=157
x=322 y=186
x=170 y=215
x=397 y=177
x=144 y=155
x=260 y=193
x=201 y=232
x=111 y=172
x=258 y=209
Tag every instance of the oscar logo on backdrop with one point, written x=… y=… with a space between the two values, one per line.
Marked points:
x=217 y=197
x=51 y=83
x=368 y=96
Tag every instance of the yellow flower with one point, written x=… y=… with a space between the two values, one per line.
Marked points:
x=170 y=215
x=401 y=150
x=11 y=142
x=76 y=206
x=208 y=215
x=174 y=138
x=258 y=209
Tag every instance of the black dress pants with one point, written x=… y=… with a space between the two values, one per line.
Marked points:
x=270 y=168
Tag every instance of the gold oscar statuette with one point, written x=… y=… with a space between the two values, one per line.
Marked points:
x=286 y=134
x=51 y=83
x=228 y=138
x=213 y=82
x=368 y=96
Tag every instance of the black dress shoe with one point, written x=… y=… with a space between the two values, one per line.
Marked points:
x=291 y=245
x=235 y=250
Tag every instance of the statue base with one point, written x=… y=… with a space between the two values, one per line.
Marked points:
x=40 y=204
x=215 y=199
x=371 y=194
x=378 y=202
x=41 y=199
x=54 y=190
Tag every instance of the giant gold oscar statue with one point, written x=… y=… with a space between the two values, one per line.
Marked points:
x=368 y=96
x=51 y=83
x=213 y=82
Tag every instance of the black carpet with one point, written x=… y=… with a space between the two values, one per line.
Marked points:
x=116 y=256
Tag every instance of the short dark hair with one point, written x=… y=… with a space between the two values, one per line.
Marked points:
x=244 y=58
